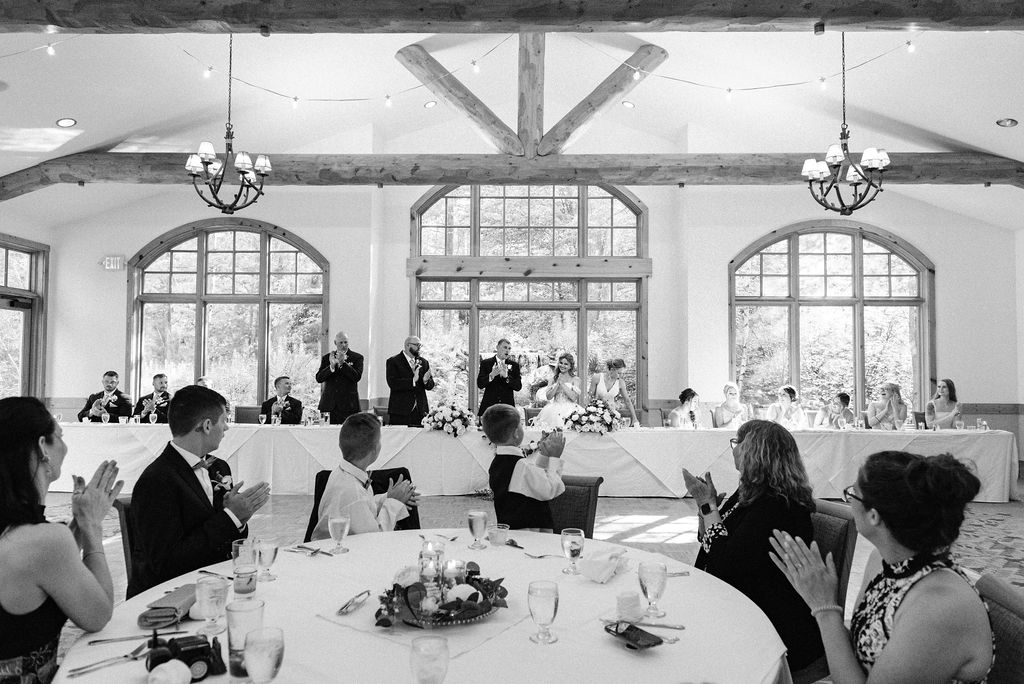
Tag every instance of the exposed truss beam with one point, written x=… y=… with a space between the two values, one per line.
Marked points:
x=531 y=91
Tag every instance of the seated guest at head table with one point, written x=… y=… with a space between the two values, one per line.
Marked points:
x=836 y=414
x=688 y=415
x=787 y=411
x=731 y=413
x=944 y=409
x=155 y=403
x=890 y=411
x=284 y=406
x=919 y=619
x=48 y=573
x=349 y=493
x=773 y=494
x=111 y=402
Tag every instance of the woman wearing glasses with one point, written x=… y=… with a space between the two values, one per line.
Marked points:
x=919 y=619
x=773 y=494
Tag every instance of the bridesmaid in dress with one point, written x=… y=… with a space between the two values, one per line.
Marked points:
x=731 y=413
x=944 y=410
x=889 y=412
x=609 y=388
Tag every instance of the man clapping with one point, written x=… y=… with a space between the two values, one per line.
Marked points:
x=154 y=403
x=287 y=407
x=409 y=377
x=111 y=401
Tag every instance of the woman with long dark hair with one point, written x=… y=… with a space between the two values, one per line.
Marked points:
x=944 y=408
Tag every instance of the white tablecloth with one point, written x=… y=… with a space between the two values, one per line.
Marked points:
x=727 y=638
x=634 y=462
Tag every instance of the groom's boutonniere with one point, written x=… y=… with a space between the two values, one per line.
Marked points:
x=221 y=482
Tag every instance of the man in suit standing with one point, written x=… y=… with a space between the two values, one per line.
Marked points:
x=156 y=402
x=340 y=372
x=499 y=378
x=111 y=400
x=409 y=378
x=287 y=407
x=187 y=509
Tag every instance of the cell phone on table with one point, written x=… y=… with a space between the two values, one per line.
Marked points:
x=635 y=638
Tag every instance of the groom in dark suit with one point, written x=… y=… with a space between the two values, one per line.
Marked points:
x=499 y=378
x=187 y=510
x=340 y=372
x=409 y=378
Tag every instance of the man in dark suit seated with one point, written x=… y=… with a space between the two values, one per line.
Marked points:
x=409 y=378
x=340 y=372
x=111 y=401
x=156 y=402
x=499 y=378
x=287 y=407
x=187 y=509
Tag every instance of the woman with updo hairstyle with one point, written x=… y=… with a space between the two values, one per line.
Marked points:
x=48 y=573
x=610 y=387
x=919 y=619
x=688 y=415
x=889 y=412
x=786 y=411
x=731 y=413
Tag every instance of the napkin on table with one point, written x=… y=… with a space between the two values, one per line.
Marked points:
x=603 y=565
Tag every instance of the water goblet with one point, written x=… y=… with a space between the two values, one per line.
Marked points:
x=841 y=423
x=652 y=582
x=977 y=422
x=211 y=595
x=428 y=659
x=338 y=527
x=263 y=418
x=860 y=423
x=478 y=528
x=959 y=424
x=264 y=651
x=542 y=598
x=276 y=420
x=152 y=418
x=105 y=417
x=123 y=420
x=325 y=418
x=572 y=548
x=267 y=554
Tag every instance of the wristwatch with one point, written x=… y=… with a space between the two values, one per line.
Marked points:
x=706 y=508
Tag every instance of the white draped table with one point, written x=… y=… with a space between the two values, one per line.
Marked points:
x=636 y=462
x=727 y=638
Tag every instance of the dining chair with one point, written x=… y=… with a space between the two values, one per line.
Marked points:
x=123 y=504
x=836 y=532
x=864 y=417
x=247 y=414
x=378 y=481
x=577 y=505
x=531 y=413
x=319 y=485
x=1006 y=612
x=919 y=419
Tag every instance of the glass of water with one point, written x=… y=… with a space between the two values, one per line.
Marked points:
x=543 y=600
x=152 y=418
x=212 y=595
x=338 y=527
x=428 y=659
x=652 y=582
x=263 y=418
x=959 y=424
x=478 y=528
x=572 y=548
x=264 y=652
x=841 y=423
x=266 y=553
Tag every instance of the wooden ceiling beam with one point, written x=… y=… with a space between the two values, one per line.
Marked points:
x=531 y=91
x=501 y=16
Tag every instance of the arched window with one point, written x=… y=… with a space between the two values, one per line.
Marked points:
x=831 y=306
x=552 y=268
x=239 y=301
x=23 y=279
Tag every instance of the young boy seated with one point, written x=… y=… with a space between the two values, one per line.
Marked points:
x=522 y=488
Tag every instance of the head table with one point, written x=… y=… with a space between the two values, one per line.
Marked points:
x=727 y=638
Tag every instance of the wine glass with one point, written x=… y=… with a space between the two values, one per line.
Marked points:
x=959 y=424
x=478 y=528
x=267 y=552
x=841 y=423
x=428 y=659
x=263 y=418
x=264 y=651
x=105 y=417
x=652 y=582
x=211 y=595
x=152 y=418
x=572 y=547
x=338 y=527
x=543 y=600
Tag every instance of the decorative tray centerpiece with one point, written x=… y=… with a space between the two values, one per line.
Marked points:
x=439 y=594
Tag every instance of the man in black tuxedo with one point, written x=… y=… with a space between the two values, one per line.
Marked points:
x=409 y=378
x=499 y=378
x=111 y=400
x=284 y=405
x=156 y=402
x=187 y=510
x=340 y=372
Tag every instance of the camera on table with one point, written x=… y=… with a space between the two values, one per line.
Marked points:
x=195 y=651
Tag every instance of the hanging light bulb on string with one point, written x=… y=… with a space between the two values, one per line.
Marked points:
x=476 y=67
x=387 y=100
x=911 y=47
x=50 y=51
x=207 y=72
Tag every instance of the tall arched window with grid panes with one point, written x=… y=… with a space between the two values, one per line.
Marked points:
x=553 y=268
x=239 y=301
x=23 y=280
x=832 y=306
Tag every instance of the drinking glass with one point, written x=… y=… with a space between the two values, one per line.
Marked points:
x=267 y=554
x=959 y=424
x=264 y=651
x=211 y=595
x=263 y=418
x=860 y=423
x=243 y=552
x=105 y=417
x=652 y=582
x=572 y=548
x=478 y=528
x=978 y=422
x=275 y=420
x=428 y=659
x=243 y=617
x=325 y=418
x=123 y=420
x=543 y=600
x=841 y=423
x=338 y=527
x=152 y=418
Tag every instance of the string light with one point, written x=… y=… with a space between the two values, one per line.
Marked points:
x=636 y=74
x=387 y=100
x=207 y=72
x=50 y=51
x=728 y=93
x=295 y=102
x=911 y=47
x=822 y=81
x=476 y=67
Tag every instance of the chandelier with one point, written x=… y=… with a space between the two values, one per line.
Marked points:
x=207 y=170
x=824 y=178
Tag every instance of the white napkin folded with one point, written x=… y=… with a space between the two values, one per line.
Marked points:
x=602 y=566
x=171 y=672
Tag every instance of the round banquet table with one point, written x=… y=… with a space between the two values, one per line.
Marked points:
x=727 y=638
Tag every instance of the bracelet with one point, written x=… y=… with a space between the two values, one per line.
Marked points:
x=817 y=610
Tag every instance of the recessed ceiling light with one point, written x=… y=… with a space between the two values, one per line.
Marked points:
x=430 y=104
x=66 y=122
x=628 y=104
x=1006 y=123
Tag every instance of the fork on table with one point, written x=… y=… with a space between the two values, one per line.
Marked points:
x=136 y=653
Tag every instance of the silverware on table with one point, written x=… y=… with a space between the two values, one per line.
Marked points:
x=111 y=640
x=313 y=551
x=513 y=542
x=216 y=574
x=542 y=555
x=136 y=653
x=642 y=623
x=354 y=602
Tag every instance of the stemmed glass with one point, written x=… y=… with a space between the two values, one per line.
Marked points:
x=338 y=527
x=105 y=417
x=478 y=528
x=543 y=600
x=959 y=424
x=263 y=418
x=211 y=594
x=267 y=554
x=152 y=418
x=264 y=651
x=841 y=423
x=428 y=659
x=652 y=582
x=572 y=547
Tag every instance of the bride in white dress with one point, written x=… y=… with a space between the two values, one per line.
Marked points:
x=564 y=394
x=609 y=387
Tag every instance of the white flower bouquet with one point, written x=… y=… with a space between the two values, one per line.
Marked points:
x=597 y=417
x=450 y=418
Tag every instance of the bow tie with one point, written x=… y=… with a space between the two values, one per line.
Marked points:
x=205 y=462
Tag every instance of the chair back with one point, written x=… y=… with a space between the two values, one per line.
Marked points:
x=835 y=532
x=319 y=485
x=1006 y=612
x=123 y=504
x=919 y=419
x=864 y=417
x=247 y=414
x=577 y=505
x=531 y=413
x=652 y=417
x=379 y=481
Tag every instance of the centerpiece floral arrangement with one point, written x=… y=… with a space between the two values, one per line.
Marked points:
x=417 y=601
x=597 y=416
x=450 y=418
